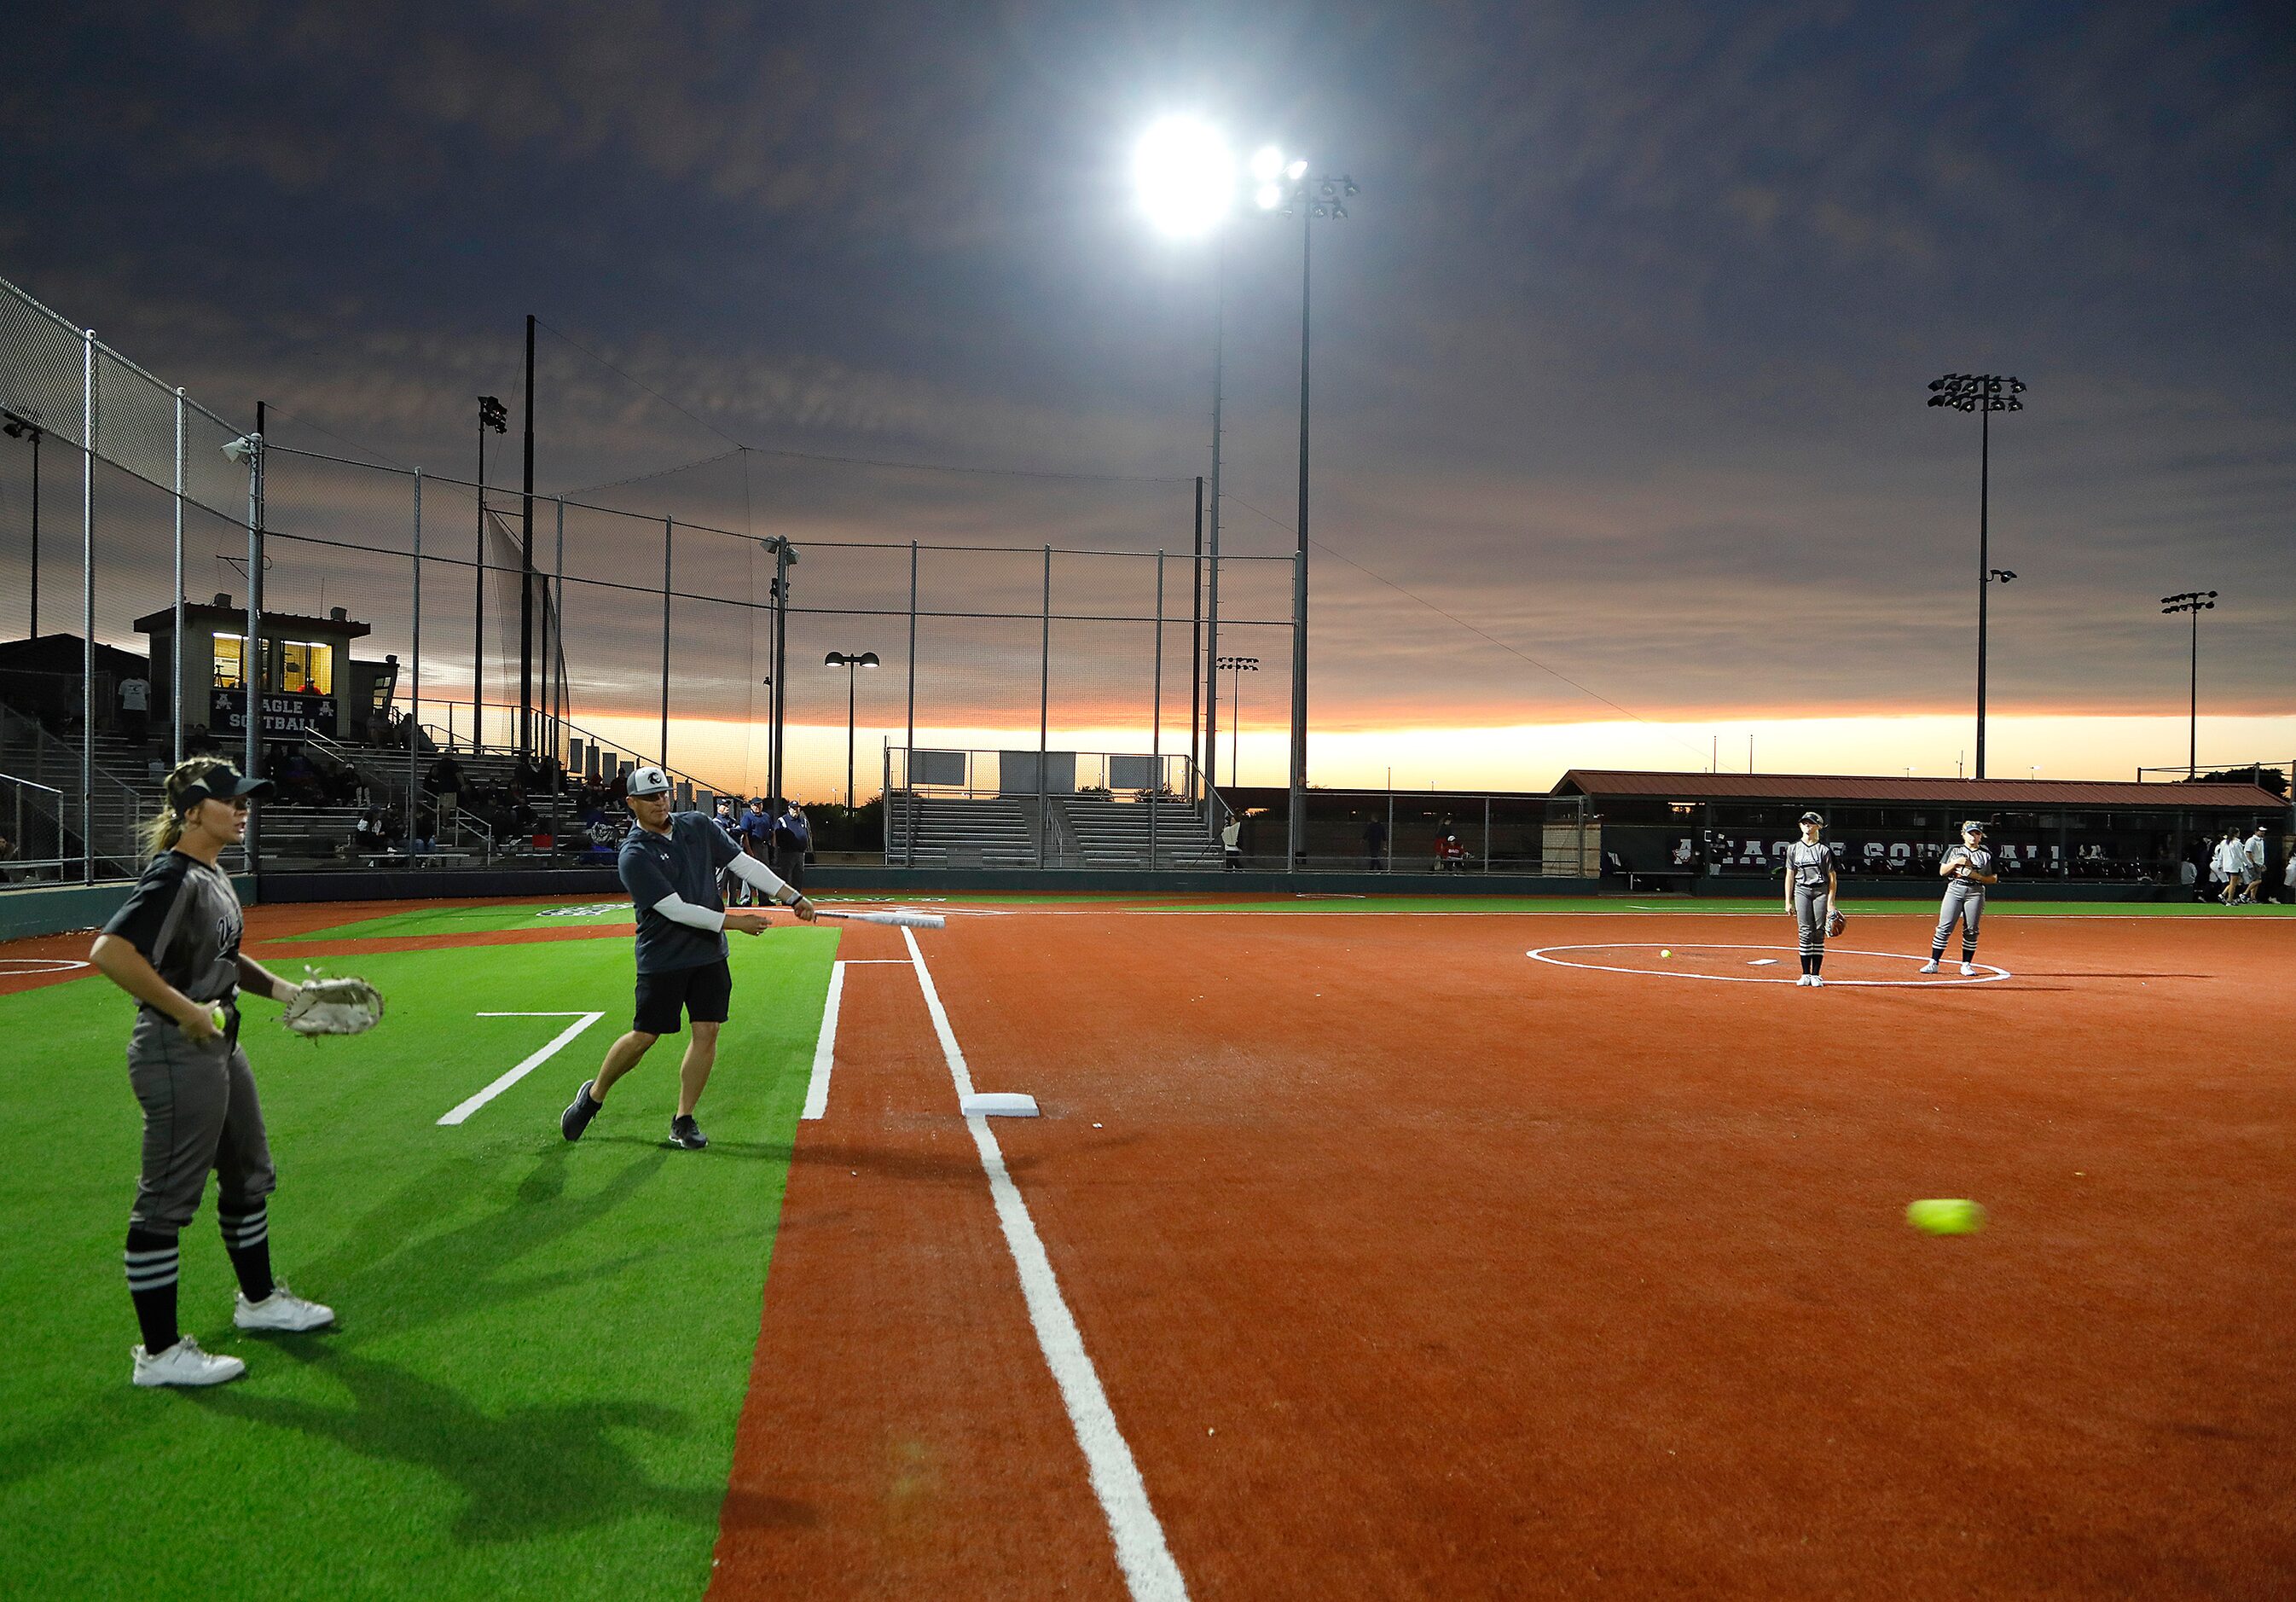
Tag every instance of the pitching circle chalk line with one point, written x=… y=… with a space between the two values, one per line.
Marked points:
x=17 y=967
x=1987 y=974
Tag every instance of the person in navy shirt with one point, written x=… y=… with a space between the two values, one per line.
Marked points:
x=670 y=863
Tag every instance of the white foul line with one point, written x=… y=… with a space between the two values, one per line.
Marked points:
x=825 y=1046
x=1149 y=1571
x=582 y=1021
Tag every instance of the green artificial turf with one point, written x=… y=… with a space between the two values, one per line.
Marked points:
x=486 y=919
x=543 y=1349
x=1691 y=906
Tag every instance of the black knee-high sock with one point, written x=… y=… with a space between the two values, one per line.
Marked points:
x=1817 y=960
x=247 y=1236
x=153 y=1266
x=1937 y=952
x=1805 y=960
x=1969 y=951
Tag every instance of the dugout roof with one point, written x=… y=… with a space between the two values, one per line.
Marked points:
x=1976 y=797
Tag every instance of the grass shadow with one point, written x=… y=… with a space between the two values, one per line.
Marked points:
x=527 y=1471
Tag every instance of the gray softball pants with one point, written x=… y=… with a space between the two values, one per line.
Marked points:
x=1812 y=907
x=200 y=1113
x=1965 y=904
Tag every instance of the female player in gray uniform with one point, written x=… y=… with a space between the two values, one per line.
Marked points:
x=1810 y=885
x=174 y=948
x=1969 y=867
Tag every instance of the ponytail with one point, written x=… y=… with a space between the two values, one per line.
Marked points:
x=164 y=830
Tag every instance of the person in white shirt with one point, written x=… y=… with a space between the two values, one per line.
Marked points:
x=2222 y=874
x=2251 y=867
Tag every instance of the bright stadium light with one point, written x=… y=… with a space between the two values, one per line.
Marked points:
x=1185 y=175
x=1268 y=196
x=1296 y=171
x=1266 y=164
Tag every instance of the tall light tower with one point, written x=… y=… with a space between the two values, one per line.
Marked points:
x=1286 y=185
x=1984 y=393
x=495 y=416
x=2197 y=602
x=1187 y=182
x=839 y=659
x=1237 y=667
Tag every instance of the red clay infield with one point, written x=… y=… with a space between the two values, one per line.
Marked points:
x=1413 y=1268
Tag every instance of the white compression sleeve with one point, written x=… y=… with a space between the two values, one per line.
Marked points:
x=678 y=909
x=750 y=871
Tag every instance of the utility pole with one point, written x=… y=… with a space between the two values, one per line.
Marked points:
x=492 y=414
x=526 y=569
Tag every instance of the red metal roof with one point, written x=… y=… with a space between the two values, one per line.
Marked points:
x=1974 y=795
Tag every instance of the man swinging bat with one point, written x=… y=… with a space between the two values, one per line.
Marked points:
x=669 y=864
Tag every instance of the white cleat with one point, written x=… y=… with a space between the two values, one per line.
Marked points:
x=1817 y=981
x=1968 y=969
x=1929 y=967
x=282 y=1310
x=185 y=1364
x=1802 y=980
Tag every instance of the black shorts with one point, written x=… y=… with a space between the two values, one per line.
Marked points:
x=703 y=994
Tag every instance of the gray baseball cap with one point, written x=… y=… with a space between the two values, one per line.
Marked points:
x=647 y=781
x=1975 y=823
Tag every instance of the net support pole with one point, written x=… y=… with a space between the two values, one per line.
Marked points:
x=415 y=683
x=1044 y=709
x=1196 y=643
x=87 y=609
x=251 y=660
x=1487 y=834
x=175 y=672
x=554 y=696
x=666 y=526
x=909 y=750
x=526 y=566
x=1156 y=719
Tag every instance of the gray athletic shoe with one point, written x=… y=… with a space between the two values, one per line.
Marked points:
x=578 y=1115
x=686 y=1134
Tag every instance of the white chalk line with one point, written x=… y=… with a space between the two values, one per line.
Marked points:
x=1989 y=976
x=825 y=1046
x=566 y=1037
x=22 y=967
x=1149 y=1571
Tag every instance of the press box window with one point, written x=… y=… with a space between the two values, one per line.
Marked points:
x=230 y=661
x=309 y=670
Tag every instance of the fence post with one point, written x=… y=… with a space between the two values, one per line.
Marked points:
x=175 y=686
x=909 y=752
x=414 y=686
x=666 y=525
x=87 y=609
x=1156 y=719
x=1044 y=709
x=1487 y=834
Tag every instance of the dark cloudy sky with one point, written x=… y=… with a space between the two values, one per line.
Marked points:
x=1621 y=357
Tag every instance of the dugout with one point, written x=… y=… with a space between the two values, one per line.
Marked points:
x=1723 y=833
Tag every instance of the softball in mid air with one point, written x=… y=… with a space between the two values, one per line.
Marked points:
x=1662 y=951
x=1946 y=1217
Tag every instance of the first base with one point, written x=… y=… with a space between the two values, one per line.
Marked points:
x=999 y=1104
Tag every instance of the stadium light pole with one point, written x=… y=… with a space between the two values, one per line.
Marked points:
x=1984 y=393
x=2197 y=602
x=18 y=426
x=1237 y=667
x=1186 y=181
x=851 y=664
x=1285 y=185
x=492 y=414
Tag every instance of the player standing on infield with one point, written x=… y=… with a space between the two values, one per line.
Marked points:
x=669 y=864
x=1970 y=867
x=175 y=946
x=1810 y=886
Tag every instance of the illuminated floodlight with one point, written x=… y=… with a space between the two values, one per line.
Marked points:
x=1268 y=196
x=1296 y=171
x=1266 y=164
x=1185 y=175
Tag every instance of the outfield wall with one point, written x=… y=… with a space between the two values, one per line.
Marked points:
x=59 y=908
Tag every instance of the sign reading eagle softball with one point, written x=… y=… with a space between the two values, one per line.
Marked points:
x=286 y=716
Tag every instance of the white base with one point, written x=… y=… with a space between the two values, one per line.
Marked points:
x=999 y=1104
